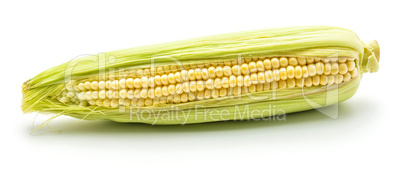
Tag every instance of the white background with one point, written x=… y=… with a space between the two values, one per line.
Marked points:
x=37 y=35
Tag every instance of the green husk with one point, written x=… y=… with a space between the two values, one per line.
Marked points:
x=311 y=41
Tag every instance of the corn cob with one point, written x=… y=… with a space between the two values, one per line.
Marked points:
x=280 y=70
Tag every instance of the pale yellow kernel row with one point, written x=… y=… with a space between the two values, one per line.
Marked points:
x=207 y=74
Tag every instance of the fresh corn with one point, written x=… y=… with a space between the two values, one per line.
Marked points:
x=279 y=70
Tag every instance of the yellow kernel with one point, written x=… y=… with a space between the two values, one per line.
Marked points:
x=282 y=73
x=232 y=81
x=343 y=68
x=160 y=71
x=267 y=86
x=282 y=84
x=293 y=61
x=87 y=85
x=166 y=69
x=137 y=83
x=200 y=85
x=215 y=93
x=148 y=102
x=144 y=93
x=130 y=83
x=310 y=60
x=299 y=82
x=240 y=81
x=177 y=77
x=144 y=82
x=331 y=80
x=244 y=69
x=130 y=94
x=327 y=68
x=236 y=91
x=141 y=102
x=275 y=63
x=123 y=93
x=207 y=94
x=191 y=74
x=354 y=72
x=151 y=82
x=158 y=91
x=173 y=68
x=193 y=86
x=211 y=72
x=176 y=99
x=227 y=63
x=268 y=76
x=276 y=75
x=290 y=70
x=219 y=71
x=291 y=83
x=200 y=95
x=225 y=82
x=236 y=70
x=316 y=80
x=99 y=102
x=101 y=85
x=171 y=78
x=186 y=87
x=308 y=82
x=217 y=83
x=102 y=94
x=88 y=95
x=184 y=75
x=222 y=92
x=323 y=80
x=156 y=101
x=334 y=68
x=319 y=68
x=227 y=71
x=151 y=93
x=301 y=61
x=94 y=85
x=184 y=98
x=338 y=79
x=260 y=66
x=137 y=93
x=347 y=77
x=260 y=87
x=165 y=91
x=204 y=74
x=106 y=103
x=197 y=74
x=179 y=88
x=261 y=77
x=252 y=67
x=252 y=88
x=342 y=59
x=109 y=94
x=191 y=96
x=267 y=64
x=164 y=79
x=172 y=89
x=201 y=65
x=351 y=65
x=254 y=78
x=283 y=62
x=246 y=80
x=298 y=72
